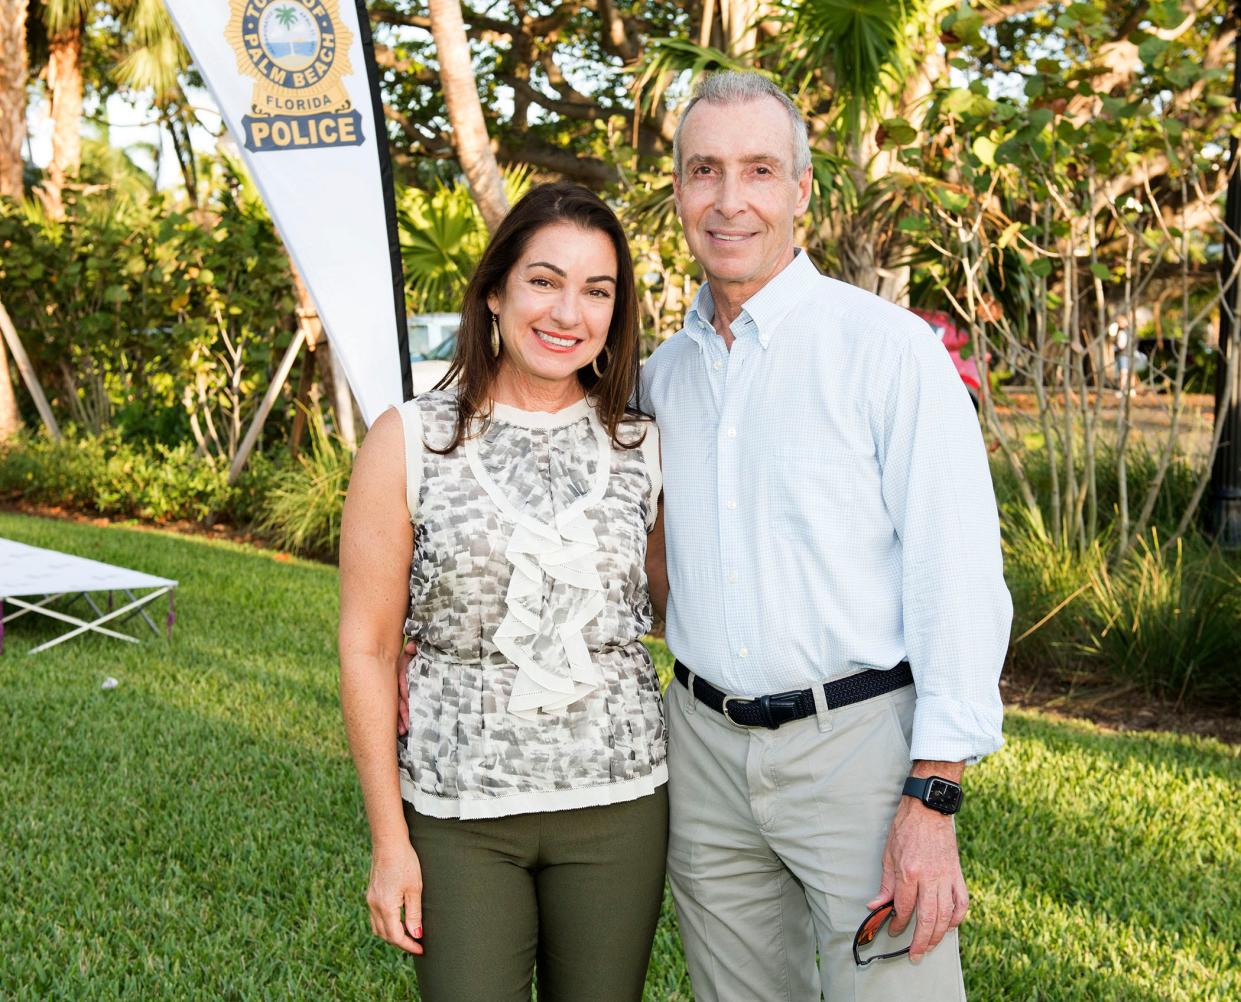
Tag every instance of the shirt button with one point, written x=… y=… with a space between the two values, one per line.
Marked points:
x=732 y=505
x=744 y=652
x=732 y=579
x=718 y=365
x=732 y=432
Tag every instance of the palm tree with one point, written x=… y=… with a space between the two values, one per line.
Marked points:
x=286 y=16
x=12 y=133
x=65 y=21
x=465 y=111
x=12 y=97
x=150 y=58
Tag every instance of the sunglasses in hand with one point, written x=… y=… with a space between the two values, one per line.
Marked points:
x=869 y=929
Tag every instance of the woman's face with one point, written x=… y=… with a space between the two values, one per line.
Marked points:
x=556 y=304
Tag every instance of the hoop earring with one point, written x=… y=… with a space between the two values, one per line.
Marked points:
x=495 y=337
x=607 y=360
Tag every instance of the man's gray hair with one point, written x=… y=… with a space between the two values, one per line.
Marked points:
x=736 y=87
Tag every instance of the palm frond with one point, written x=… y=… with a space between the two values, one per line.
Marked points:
x=59 y=15
x=858 y=44
x=442 y=237
x=671 y=59
x=155 y=57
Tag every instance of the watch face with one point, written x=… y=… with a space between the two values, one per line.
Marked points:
x=943 y=796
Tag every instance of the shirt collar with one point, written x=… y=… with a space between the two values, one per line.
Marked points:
x=701 y=313
x=763 y=311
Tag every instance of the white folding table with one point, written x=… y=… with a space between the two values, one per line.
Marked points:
x=32 y=578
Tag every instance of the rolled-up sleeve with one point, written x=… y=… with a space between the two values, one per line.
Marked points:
x=955 y=606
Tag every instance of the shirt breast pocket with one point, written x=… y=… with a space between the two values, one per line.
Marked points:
x=812 y=495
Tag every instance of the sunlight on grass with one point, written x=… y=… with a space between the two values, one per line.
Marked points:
x=197 y=832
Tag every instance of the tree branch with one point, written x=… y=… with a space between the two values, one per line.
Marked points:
x=538 y=153
x=581 y=111
x=997 y=14
x=476 y=24
x=433 y=144
x=387 y=58
x=621 y=35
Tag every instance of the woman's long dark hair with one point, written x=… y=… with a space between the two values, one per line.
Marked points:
x=474 y=368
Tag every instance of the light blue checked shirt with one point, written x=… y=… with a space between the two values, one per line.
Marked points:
x=828 y=506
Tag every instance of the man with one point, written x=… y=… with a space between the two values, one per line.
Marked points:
x=829 y=516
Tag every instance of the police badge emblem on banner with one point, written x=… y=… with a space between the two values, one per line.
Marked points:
x=296 y=83
x=297 y=54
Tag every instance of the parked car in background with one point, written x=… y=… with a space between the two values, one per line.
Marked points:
x=436 y=336
x=429 y=366
x=954 y=339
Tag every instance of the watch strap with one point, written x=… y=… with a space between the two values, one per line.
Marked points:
x=919 y=788
x=915 y=787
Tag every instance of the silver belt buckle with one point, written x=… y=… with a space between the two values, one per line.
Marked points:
x=729 y=717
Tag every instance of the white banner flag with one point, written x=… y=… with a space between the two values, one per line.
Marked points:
x=297 y=86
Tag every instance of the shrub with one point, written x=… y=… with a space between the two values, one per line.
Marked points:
x=244 y=504
x=295 y=504
x=1047 y=582
x=103 y=474
x=41 y=471
x=302 y=509
x=1169 y=619
x=1140 y=466
x=163 y=483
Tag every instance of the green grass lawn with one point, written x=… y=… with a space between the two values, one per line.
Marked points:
x=197 y=832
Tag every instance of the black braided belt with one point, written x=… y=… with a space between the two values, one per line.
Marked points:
x=784 y=707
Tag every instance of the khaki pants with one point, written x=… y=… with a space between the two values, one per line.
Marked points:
x=775 y=845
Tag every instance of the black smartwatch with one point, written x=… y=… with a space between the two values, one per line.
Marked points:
x=938 y=794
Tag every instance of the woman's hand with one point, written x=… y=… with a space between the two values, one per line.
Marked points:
x=396 y=887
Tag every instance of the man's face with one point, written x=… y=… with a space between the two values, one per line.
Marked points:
x=736 y=192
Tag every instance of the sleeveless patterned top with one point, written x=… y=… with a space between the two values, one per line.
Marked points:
x=531 y=689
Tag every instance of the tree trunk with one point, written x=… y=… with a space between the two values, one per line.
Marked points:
x=738 y=19
x=12 y=134
x=12 y=102
x=64 y=81
x=465 y=112
x=10 y=419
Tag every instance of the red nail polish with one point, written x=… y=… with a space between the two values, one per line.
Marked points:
x=418 y=933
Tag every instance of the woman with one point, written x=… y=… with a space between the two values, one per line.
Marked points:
x=535 y=816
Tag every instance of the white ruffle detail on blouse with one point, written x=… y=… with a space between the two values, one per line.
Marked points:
x=566 y=552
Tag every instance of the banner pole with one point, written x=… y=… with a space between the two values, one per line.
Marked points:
x=22 y=361
x=269 y=400
x=389 y=196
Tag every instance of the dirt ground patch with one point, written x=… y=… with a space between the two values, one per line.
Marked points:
x=1113 y=707
x=1150 y=418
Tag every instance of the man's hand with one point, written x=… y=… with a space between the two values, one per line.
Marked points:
x=922 y=869
x=402 y=687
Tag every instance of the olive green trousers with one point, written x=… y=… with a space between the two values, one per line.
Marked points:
x=574 y=893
